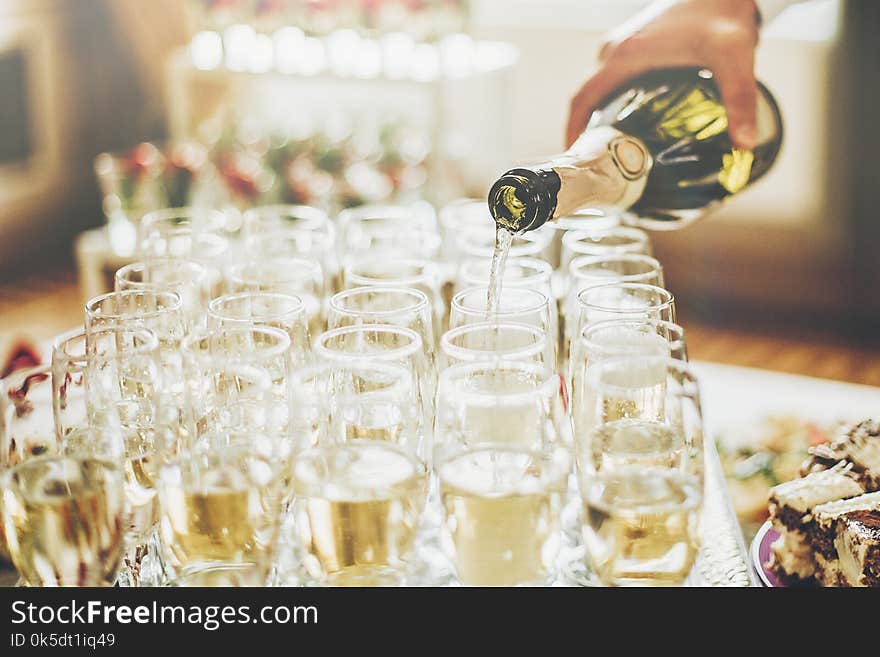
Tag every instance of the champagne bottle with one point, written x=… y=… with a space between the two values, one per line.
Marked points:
x=657 y=147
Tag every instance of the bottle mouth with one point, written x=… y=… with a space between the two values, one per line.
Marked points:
x=523 y=199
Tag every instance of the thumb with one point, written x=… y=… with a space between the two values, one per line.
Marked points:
x=739 y=92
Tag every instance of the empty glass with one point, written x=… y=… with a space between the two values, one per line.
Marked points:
x=292 y=231
x=608 y=241
x=406 y=307
x=386 y=344
x=281 y=311
x=590 y=271
x=502 y=454
x=487 y=341
x=191 y=280
x=197 y=234
x=270 y=218
x=516 y=305
x=624 y=301
x=392 y=229
x=292 y=276
x=236 y=380
x=526 y=272
x=378 y=271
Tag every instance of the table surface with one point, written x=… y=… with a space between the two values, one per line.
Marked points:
x=737 y=397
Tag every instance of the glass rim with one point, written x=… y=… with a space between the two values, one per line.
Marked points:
x=397 y=353
x=449 y=216
x=325 y=239
x=666 y=295
x=425 y=266
x=572 y=238
x=217 y=218
x=201 y=449
x=298 y=306
x=314 y=217
x=420 y=300
x=679 y=341
x=150 y=342
x=539 y=305
x=394 y=211
x=308 y=373
x=235 y=272
x=575 y=220
x=109 y=467
x=467 y=354
x=689 y=381
x=543 y=270
x=92 y=305
x=189 y=343
x=547 y=387
x=582 y=260
x=536 y=240
x=199 y=271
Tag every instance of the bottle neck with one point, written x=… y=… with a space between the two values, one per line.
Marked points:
x=604 y=168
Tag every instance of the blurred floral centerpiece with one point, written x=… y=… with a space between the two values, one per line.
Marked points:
x=148 y=177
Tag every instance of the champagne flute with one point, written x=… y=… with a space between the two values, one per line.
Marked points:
x=360 y=489
x=641 y=471
x=280 y=275
x=237 y=381
x=401 y=272
x=406 y=307
x=502 y=455
x=64 y=520
x=220 y=509
x=282 y=311
x=189 y=279
x=486 y=341
x=515 y=305
x=603 y=242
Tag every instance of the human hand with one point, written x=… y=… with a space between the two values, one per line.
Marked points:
x=720 y=35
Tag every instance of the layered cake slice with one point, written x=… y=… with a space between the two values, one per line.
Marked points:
x=846 y=541
x=791 y=506
x=859 y=446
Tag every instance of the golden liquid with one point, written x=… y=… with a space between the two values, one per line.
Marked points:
x=630 y=443
x=641 y=526
x=229 y=517
x=377 y=421
x=65 y=523
x=503 y=240
x=501 y=515
x=358 y=507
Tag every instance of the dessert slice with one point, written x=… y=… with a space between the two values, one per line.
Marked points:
x=841 y=538
x=859 y=446
x=791 y=505
x=858 y=548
